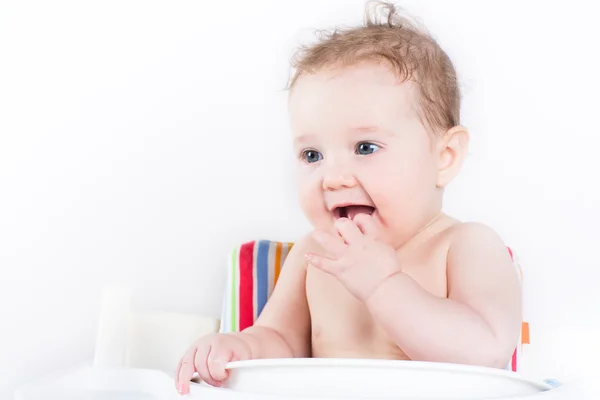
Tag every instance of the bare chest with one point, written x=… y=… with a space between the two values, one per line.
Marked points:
x=340 y=323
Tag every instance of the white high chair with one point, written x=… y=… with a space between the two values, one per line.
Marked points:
x=137 y=352
x=148 y=340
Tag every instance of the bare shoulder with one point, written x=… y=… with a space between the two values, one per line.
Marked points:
x=303 y=245
x=477 y=254
x=474 y=236
x=292 y=278
x=463 y=238
x=293 y=270
x=471 y=227
x=481 y=275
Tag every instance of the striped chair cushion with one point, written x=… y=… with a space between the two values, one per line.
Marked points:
x=253 y=270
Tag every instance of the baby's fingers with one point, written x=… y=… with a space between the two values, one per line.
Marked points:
x=324 y=264
x=366 y=224
x=348 y=230
x=185 y=371
x=217 y=359
x=203 y=369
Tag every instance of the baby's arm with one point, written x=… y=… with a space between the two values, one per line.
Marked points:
x=477 y=324
x=283 y=327
x=282 y=330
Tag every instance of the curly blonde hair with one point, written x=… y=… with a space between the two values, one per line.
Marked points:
x=410 y=50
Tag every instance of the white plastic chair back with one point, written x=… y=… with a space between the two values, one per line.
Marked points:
x=152 y=340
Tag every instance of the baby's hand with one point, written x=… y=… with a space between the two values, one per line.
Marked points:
x=208 y=356
x=359 y=261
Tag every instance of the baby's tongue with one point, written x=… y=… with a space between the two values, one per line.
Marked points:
x=353 y=211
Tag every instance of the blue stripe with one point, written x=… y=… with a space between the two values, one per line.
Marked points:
x=262 y=275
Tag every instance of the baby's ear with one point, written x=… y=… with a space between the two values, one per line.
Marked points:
x=451 y=151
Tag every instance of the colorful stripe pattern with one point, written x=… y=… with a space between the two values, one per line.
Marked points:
x=253 y=270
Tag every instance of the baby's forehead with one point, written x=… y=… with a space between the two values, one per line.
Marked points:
x=356 y=101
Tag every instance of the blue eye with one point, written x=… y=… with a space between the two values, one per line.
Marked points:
x=311 y=156
x=366 y=148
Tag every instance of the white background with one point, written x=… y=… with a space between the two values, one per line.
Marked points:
x=139 y=141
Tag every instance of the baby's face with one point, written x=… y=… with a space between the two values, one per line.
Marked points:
x=361 y=148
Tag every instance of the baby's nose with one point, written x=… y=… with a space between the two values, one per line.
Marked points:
x=335 y=181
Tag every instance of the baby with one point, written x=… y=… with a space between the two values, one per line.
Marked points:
x=385 y=274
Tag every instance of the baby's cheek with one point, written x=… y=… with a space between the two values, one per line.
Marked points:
x=394 y=205
x=315 y=213
x=311 y=203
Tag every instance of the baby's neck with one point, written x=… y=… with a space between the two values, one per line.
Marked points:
x=433 y=225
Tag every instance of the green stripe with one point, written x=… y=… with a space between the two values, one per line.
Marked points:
x=234 y=269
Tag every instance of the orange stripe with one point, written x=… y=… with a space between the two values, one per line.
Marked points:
x=525 y=333
x=277 y=261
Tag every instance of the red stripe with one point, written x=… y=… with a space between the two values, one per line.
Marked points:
x=246 y=317
x=514 y=361
x=511 y=253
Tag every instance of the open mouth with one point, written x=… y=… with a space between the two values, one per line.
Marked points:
x=352 y=211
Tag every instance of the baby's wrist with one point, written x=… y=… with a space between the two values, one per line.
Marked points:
x=381 y=284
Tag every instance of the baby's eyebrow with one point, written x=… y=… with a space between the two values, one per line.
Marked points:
x=371 y=129
x=305 y=137
x=357 y=131
x=365 y=129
